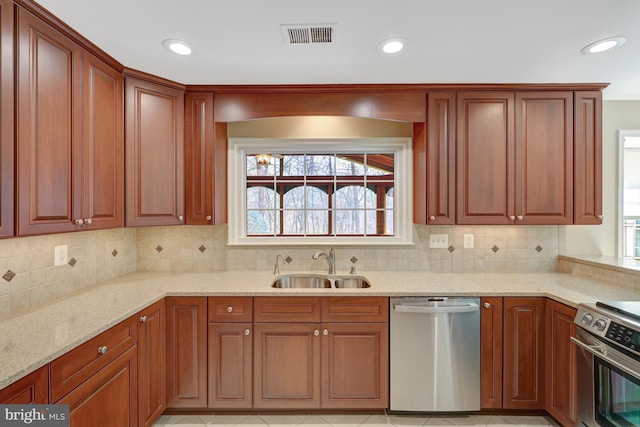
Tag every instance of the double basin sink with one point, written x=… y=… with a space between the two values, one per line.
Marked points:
x=320 y=281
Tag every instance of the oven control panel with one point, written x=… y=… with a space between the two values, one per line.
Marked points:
x=624 y=336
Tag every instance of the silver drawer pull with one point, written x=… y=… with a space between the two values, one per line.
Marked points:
x=486 y=305
x=229 y=309
x=247 y=331
x=143 y=319
x=102 y=349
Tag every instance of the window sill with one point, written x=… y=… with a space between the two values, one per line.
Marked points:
x=320 y=241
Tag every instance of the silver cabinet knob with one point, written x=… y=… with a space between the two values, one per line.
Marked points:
x=325 y=332
x=143 y=319
x=88 y=221
x=316 y=333
x=180 y=218
x=600 y=217
x=78 y=221
x=209 y=218
x=102 y=349
x=432 y=218
x=519 y=217
x=230 y=309
x=247 y=331
x=512 y=218
x=486 y=305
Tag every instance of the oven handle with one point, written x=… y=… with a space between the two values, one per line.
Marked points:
x=597 y=351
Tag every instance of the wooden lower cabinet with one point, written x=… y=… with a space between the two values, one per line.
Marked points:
x=230 y=365
x=286 y=365
x=107 y=398
x=355 y=365
x=561 y=381
x=524 y=351
x=186 y=352
x=34 y=388
x=152 y=371
x=491 y=352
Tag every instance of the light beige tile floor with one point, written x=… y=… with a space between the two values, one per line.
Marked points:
x=363 y=420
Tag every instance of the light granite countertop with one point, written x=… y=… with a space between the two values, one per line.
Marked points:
x=31 y=338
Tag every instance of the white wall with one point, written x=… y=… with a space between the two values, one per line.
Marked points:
x=603 y=239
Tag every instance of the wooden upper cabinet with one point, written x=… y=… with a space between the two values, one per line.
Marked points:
x=154 y=148
x=544 y=158
x=6 y=119
x=49 y=128
x=198 y=156
x=524 y=353
x=441 y=161
x=485 y=158
x=588 y=157
x=103 y=148
x=69 y=130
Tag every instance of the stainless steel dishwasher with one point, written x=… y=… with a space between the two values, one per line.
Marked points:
x=435 y=354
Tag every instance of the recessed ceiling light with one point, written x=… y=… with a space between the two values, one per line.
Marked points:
x=177 y=46
x=604 y=44
x=392 y=45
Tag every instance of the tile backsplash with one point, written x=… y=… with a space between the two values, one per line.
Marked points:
x=203 y=248
x=28 y=275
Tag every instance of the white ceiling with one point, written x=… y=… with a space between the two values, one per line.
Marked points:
x=449 y=41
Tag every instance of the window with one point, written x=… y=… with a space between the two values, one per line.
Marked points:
x=332 y=191
x=630 y=184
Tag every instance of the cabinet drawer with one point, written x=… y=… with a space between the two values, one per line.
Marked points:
x=286 y=309
x=355 y=309
x=74 y=367
x=230 y=309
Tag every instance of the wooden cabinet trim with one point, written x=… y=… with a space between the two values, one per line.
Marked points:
x=76 y=366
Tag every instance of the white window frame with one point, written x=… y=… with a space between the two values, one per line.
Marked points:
x=239 y=148
x=622 y=135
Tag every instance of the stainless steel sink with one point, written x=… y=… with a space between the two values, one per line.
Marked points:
x=301 y=281
x=352 y=282
x=319 y=281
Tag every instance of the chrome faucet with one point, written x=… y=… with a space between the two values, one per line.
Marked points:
x=331 y=259
x=276 y=268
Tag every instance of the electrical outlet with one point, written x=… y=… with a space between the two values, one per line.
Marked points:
x=60 y=255
x=438 y=240
x=468 y=241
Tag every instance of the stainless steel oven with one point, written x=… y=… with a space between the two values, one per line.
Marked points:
x=608 y=365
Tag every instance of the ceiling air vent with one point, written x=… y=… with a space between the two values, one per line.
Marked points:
x=298 y=35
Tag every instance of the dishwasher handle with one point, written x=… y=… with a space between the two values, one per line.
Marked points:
x=426 y=309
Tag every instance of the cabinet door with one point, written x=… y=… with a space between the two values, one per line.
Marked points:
x=152 y=370
x=49 y=128
x=544 y=158
x=198 y=154
x=441 y=166
x=108 y=397
x=355 y=365
x=103 y=150
x=154 y=148
x=230 y=365
x=186 y=352
x=485 y=178
x=561 y=381
x=286 y=365
x=524 y=350
x=6 y=119
x=34 y=388
x=588 y=158
x=491 y=352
